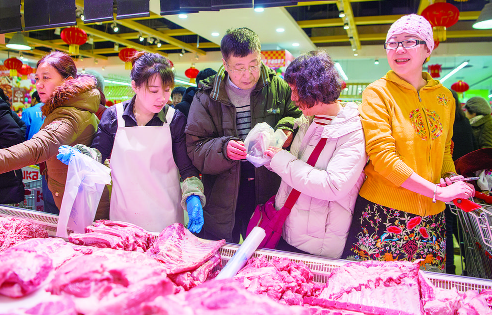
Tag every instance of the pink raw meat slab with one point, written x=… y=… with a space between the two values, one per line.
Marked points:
x=22 y=272
x=15 y=230
x=373 y=286
x=179 y=250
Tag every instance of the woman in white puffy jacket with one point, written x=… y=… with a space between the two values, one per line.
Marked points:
x=320 y=219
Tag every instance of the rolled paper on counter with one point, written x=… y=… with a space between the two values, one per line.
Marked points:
x=242 y=255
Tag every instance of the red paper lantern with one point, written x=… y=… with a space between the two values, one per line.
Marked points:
x=13 y=64
x=126 y=55
x=74 y=37
x=434 y=70
x=441 y=15
x=171 y=63
x=109 y=103
x=460 y=87
x=436 y=44
x=344 y=85
x=191 y=73
x=25 y=70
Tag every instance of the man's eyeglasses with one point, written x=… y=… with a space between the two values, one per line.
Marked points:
x=410 y=43
x=241 y=71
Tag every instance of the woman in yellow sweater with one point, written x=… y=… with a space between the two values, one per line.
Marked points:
x=408 y=123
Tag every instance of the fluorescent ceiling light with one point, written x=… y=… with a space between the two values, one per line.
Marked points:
x=484 y=20
x=18 y=42
x=182 y=16
x=280 y=30
x=117 y=82
x=215 y=34
x=458 y=68
x=340 y=70
x=490 y=96
x=184 y=82
x=295 y=44
x=259 y=9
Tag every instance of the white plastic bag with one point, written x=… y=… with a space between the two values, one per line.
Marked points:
x=86 y=179
x=260 y=138
x=485 y=179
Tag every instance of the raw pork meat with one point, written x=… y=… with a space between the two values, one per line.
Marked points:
x=179 y=250
x=114 y=234
x=373 y=287
x=22 y=272
x=55 y=305
x=190 y=279
x=220 y=297
x=280 y=279
x=111 y=282
x=57 y=249
x=15 y=230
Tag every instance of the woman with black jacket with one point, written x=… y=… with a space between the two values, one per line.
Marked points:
x=12 y=131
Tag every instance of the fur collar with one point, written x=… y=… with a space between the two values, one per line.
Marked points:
x=68 y=90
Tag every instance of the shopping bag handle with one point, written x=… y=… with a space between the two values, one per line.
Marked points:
x=466 y=205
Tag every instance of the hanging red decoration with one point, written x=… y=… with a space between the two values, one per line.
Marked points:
x=191 y=73
x=436 y=44
x=109 y=103
x=24 y=71
x=344 y=85
x=13 y=64
x=434 y=70
x=126 y=55
x=441 y=15
x=460 y=87
x=74 y=37
x=171 y=63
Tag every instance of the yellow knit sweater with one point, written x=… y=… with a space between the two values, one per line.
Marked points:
x=406 y=131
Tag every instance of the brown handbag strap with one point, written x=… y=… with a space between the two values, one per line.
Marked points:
x=294 y=194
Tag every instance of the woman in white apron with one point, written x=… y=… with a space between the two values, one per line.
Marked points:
x=144 y=140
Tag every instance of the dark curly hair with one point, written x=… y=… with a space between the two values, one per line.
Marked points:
x=145 y=65
x=239 y=42
x=315 y=77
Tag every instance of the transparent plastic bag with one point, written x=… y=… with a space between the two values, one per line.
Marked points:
x=86 y=179
x=485 y=179
x=260 y=138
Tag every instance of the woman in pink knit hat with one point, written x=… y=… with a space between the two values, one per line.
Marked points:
x=407 y=118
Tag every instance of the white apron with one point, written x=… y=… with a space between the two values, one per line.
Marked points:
x=146 y=189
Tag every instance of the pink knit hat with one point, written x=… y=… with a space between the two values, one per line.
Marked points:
x=415 y=25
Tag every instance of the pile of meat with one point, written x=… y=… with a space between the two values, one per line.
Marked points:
x=15 y=230
x=115 y=235
x=280 y=279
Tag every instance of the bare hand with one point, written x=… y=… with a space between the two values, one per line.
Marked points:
x=236 y=150
x=456 y=190
x=290 y=136
x=450 y=180
x=271 y=151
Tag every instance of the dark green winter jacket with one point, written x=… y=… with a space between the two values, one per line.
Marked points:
x=212 y=123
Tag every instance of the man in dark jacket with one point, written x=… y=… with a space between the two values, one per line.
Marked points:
x=12 y=131
x=226 y=106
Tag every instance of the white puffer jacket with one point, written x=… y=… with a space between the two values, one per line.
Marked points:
x=321 y=217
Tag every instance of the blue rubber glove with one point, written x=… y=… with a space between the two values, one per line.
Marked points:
x=65 y=153
x=195 y=213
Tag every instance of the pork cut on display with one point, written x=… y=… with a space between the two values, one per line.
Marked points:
x=15 y=230
x=114 y=234
x=180 y=251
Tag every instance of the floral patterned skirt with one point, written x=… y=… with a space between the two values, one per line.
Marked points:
x=381 y=233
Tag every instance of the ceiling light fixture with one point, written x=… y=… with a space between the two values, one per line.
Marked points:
x=82 y=17
x=341 y=14
x=259 y=9
x=215 y=34
x=295 y=44
x=159 y=44
x=116 y=47
x=182 y=52
x=376 y=62
x=18 y=42
x=484 y=20
x=115 y=27
x=458 y=68
x=90 y=40
x=356 y=54
x=345 y=26
x=340 y=70
x=57 y=31
x=280 y=30
x=140 y=37
x=490 y=96
x=182 y=16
